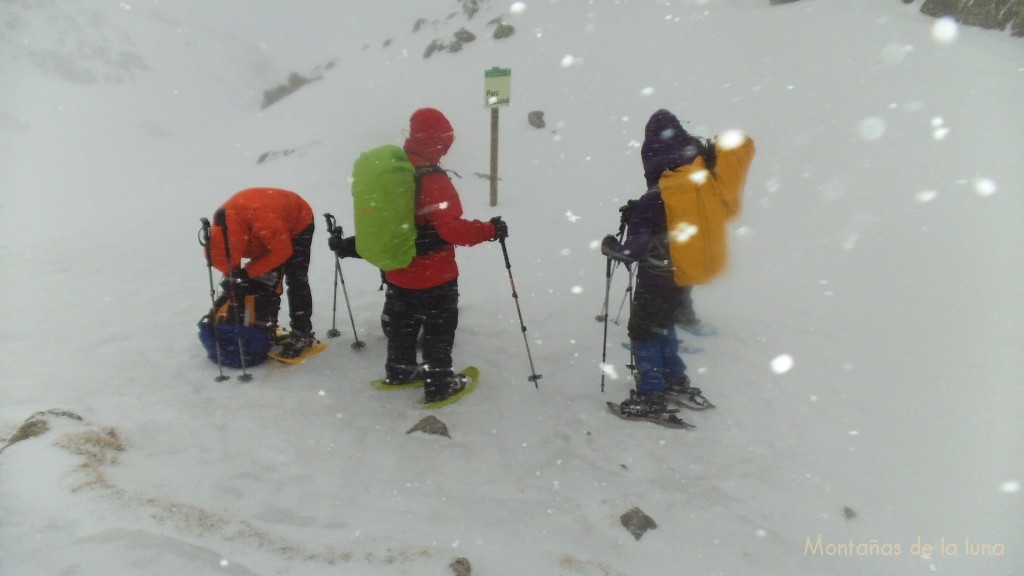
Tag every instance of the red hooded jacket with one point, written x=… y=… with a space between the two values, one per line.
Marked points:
x=437 y=203
x=261 y=223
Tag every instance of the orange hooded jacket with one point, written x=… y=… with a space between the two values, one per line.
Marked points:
x=261 y=223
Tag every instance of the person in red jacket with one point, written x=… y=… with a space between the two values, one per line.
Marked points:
x=425 y=294
x=272 y=228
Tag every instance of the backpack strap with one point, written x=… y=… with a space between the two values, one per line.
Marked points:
x=656 y=258
x=422 y=171
x=427 y=238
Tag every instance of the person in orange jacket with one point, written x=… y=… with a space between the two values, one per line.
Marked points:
x=272 y=228
x=425 y=294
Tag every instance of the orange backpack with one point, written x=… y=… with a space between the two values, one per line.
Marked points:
x=698 y=205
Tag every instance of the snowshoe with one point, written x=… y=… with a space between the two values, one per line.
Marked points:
x=679 y=392
x=451 y=390
x=649 y=408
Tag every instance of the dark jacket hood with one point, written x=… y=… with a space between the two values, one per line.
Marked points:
x=667 y=146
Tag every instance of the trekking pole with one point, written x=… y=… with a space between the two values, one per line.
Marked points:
x=221 y=218
x=534 y=377
x=331 y=227
x=603 y=316
x=607 y=289
x=204 y=241
x=333 y=332
x=629 y=293
x=624 y=213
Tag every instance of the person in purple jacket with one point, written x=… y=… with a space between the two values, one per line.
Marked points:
x=658 y=155
x=656 y=297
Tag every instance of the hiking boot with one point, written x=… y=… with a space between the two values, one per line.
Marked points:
x=680 y=385
x=297 y=343
x=406 y=378
x=644 y=405
x=277 y=334
x=445 y=389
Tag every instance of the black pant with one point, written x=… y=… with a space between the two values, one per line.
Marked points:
x=296 y=277
x=685 y=313
x=436 y=311
x=652 y=313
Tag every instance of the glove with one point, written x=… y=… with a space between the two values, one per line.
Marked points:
x=343 y=247
x=609 y=245
x=238 y=282
x=626 y=211
x=500 y=228
x=334 y=240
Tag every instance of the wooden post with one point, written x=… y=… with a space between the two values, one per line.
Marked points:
x=497 y=88
x=494 y=156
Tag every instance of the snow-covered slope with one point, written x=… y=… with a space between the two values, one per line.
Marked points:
x=869 y=332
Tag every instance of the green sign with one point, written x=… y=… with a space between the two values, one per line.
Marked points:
x=497 y=87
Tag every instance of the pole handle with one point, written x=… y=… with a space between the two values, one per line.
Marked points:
x=331 y=223
x=504 y=252
x=204 y=240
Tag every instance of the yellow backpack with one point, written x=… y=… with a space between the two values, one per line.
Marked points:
x=698 y=205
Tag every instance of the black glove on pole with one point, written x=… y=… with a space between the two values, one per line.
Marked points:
x=204 y=241
x=534 y=377
x=500 y=228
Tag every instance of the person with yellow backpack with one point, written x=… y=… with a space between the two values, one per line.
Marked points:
x=676 y=239
x=666 y=146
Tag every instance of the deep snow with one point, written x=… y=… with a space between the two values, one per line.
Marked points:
x=868 y=354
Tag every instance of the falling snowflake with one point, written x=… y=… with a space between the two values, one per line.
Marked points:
x=939 y=129
x=782 y=363
x=1010 y=487
x=894 y=53
x=683 y=232
x=610 y=371
x=945 y=30
x=731 y=139
x=985 y=187
x=871 y=129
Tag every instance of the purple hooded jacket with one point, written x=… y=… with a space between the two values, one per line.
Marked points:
x=666 y=147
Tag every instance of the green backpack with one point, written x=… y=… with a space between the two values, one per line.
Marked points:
x=384 y=207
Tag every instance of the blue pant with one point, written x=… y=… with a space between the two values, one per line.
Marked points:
x=657 y=359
